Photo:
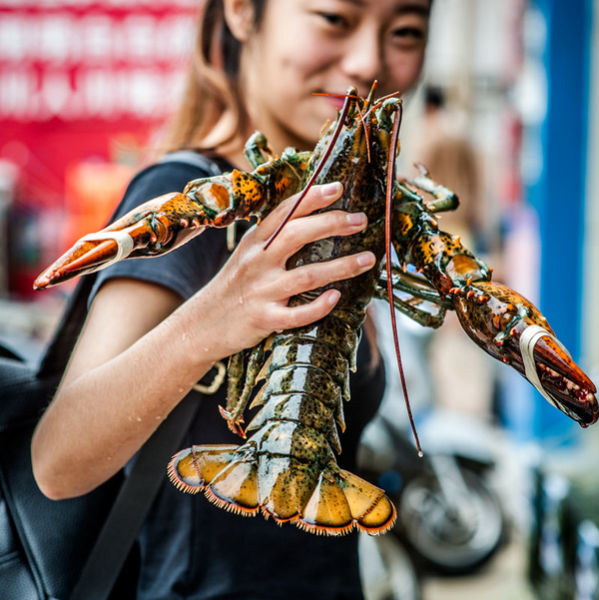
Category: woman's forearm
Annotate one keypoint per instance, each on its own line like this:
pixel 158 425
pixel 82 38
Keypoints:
pixel 101 418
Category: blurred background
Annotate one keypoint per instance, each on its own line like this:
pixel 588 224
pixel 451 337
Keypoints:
pixel 507 116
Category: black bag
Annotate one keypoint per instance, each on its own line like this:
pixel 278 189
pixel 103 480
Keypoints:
pixel 43 543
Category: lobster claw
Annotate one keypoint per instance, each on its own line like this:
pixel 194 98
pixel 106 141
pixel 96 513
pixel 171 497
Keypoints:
pixel 571 390
pixel 511 329
pixel 156 227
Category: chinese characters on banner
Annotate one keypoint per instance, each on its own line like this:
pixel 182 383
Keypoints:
pixel 83 85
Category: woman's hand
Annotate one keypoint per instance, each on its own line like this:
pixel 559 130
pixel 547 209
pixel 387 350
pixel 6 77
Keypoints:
pixel 248 299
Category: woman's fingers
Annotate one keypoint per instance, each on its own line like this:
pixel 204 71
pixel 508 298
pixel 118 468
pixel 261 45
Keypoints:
pixel 298 316
pixel 262 283
pixel 319 196
pixel 309 277
pixel 299 232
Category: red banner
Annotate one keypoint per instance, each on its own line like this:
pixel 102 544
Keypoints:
pixel 82 83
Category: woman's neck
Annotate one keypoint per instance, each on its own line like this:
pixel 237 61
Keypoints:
pixel 233 150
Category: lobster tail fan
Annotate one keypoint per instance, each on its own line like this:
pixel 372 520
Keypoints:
pixel 225 478
pixel 235 488
pixel 192 469
pixel 286 485
pixel 327 502
pixel 343 501
pixel 327 512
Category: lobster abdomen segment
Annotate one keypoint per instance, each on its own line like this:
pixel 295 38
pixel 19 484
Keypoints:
pixel 287 469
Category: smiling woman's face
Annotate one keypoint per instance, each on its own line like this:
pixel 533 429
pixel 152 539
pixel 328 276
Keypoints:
pixel 307 46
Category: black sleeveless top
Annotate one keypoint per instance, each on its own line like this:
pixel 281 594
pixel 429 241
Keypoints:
pixel 191 549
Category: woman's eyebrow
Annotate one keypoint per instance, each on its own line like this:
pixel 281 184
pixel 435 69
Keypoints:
pixel 405 8
pixel 414 8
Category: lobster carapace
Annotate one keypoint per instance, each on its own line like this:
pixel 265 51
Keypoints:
pixel 287 469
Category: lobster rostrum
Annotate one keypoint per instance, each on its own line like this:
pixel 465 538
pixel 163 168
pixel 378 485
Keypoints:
pixel 287 469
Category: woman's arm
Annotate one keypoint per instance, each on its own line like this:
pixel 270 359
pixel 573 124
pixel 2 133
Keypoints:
pixel 142 349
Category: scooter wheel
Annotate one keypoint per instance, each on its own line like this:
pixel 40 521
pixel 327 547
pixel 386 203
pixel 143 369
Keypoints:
pixel 451 539
pixel 387 570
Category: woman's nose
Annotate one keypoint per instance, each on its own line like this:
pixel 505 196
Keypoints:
pixel 362 60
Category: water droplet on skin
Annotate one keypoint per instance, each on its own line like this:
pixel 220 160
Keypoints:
pixel 240 299
pixel 138 419
pixel 184 336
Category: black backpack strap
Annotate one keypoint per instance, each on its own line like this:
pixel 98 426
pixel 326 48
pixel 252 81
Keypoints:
pixel 140 488
pixel 58 352
pixel 133 504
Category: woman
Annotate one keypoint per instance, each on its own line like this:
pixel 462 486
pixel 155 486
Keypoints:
pixel 156 327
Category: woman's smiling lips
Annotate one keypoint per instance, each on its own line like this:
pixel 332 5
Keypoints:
pixel 337 100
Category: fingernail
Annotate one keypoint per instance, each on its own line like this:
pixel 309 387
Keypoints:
pixel 330 190
pixel 334 296
pixel 356 218
pixel 366 259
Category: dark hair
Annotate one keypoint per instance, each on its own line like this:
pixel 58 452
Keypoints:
pixel 212 82
pixel 434 96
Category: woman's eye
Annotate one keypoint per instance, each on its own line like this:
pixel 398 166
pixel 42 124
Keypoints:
pixel 406 33
pixel 408 38
pixel 334 19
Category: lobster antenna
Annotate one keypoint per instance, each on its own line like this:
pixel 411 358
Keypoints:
pixel 336 95
pixel 388 250
pixel 325 156
pixel 363 121
pixel 369 101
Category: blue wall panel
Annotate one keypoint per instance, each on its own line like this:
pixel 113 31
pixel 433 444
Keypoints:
pixel 559 195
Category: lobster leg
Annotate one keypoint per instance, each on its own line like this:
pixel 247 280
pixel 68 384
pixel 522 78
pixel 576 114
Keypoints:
pixel 235 372
pixel 445 199
pixel 423 305
pixel 238 395
pixel 496 318
pixel 256 145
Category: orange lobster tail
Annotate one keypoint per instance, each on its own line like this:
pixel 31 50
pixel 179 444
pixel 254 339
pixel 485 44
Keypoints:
pixel 336 504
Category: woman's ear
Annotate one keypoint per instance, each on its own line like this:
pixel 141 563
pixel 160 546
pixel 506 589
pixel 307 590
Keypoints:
pixel 239 15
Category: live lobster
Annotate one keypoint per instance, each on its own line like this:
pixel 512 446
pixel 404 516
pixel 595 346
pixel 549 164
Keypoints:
pixel 287 469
